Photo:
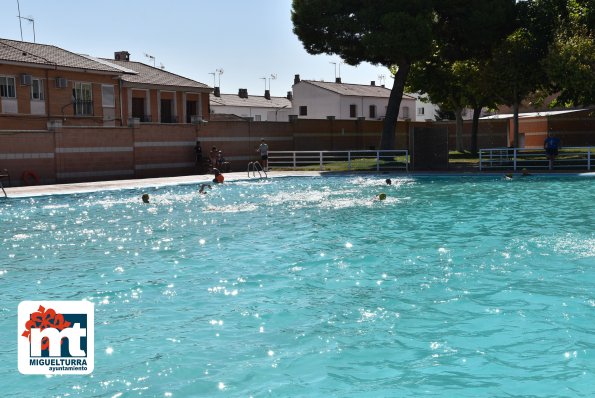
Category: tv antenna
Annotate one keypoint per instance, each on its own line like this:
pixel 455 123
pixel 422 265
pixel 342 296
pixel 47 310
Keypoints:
pixel 151 58
pixel 337 63
pixel 381 79
pixel 219 73
pixel 273 76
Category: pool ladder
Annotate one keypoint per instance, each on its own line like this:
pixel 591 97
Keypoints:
pixel 255 167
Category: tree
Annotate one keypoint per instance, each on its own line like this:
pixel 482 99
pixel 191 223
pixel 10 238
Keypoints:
pixel 388 33
pixel 570 64
pixel 399 33
pixel 517 62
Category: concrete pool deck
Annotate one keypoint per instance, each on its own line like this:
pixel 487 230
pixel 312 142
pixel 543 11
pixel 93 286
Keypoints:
pixel 83 187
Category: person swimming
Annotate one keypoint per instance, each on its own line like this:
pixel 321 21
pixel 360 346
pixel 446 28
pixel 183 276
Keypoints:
pixel 145 198
pixel 218 177
pixel 202 188
pixel 388 181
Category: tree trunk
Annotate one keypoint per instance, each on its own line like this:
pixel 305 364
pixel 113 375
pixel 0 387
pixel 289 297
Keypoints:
pixel 475 129
pixel 387 140
pixel 459 132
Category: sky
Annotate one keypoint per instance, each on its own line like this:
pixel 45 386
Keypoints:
pixel 246 39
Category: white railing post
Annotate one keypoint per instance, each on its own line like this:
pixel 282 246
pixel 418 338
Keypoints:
pixel 349 160
pixel 480 159
pixel 321 161
pixel 514 159
pixel 377 160
pixel 294 160
pixel 407 160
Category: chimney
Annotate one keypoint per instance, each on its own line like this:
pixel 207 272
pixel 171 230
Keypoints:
pixel 267 94
pixel 337 80
pixel 217 92
pixel 296 79
pixel 372 83
pixel 243 93
pixel 122 56
pixel 289 95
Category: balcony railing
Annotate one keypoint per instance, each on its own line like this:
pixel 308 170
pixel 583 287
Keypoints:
pixel 83 107
pixel 169 119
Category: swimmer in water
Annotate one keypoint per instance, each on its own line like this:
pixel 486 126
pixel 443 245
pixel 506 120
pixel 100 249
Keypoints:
pixel 218 177
pixel 202 188
pixel 381 196
pixel 145 198
pixel 388 181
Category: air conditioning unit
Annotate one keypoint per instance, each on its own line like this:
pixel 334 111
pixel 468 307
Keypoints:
pixel 26 80
pixel 61 82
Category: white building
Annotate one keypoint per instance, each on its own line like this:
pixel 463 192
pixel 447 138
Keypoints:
pixel 258 108
pixel 319 100
pixel 424 111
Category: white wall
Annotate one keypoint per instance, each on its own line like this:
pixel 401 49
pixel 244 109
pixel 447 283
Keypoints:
pixel 321 103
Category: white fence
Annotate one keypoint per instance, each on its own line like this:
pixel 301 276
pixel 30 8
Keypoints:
pixel 569 158
pixel 388 160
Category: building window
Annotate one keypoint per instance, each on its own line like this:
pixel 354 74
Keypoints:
pixel 257 118
pixel 7 87
pixel 405 112
pixel 372 111
pixel 303 110
pixel 83 100
pixel 108 99
pixel 421 111
pixel 37 89
pixel 352 110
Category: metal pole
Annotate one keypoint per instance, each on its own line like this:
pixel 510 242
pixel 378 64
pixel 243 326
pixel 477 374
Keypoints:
pixel 20 23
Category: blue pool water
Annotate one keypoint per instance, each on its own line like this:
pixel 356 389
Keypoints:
pixel 308 287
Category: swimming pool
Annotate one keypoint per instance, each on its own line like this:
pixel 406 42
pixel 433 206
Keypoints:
pixel 451 287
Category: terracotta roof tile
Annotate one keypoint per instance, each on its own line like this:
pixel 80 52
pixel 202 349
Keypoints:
pixel 46 55
pixel 357 90
pixel 146 74
pixel 252 101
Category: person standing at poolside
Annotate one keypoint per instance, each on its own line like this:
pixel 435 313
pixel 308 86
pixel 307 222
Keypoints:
pixel 551 145
pixel 213 157
pixel 263 149
pixel 198 152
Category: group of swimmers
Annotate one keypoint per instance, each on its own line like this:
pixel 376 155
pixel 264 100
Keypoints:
pixel 217 180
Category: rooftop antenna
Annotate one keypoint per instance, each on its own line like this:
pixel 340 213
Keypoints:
pixel 32 21
pixel 381 79
pixel 161 66
pixel 219 73
pixel 19 16
pixel 273 77
pixel 214 83
pixel 150 57
pixel 337 64
pixel 265 83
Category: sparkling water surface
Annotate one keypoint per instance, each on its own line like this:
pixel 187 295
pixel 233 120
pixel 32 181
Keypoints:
pixel 309 287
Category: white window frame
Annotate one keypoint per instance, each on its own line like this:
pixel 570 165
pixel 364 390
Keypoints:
pixel 421 111
pixel 5 89
pixel 354 107
pixel 81 91
pixel 106 95
pixel 40 94
pixel 303 110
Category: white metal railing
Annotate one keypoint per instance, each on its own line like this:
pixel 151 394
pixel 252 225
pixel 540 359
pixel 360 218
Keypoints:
pixel 568 158
pixel 372 160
